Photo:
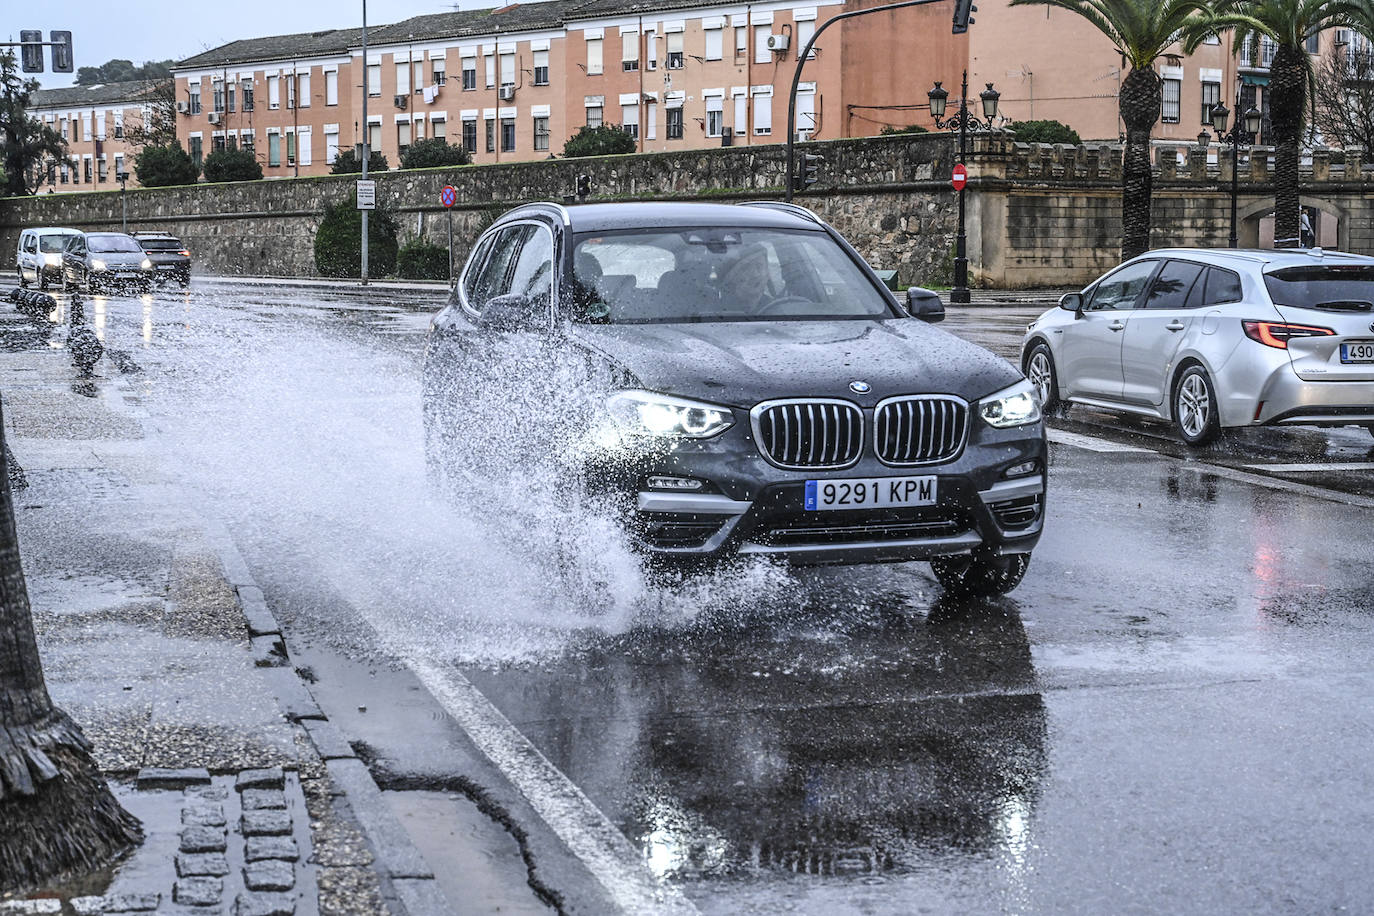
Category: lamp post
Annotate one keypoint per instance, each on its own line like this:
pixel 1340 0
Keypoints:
pixel 1244 131
pixel 123 177
pixel 939 97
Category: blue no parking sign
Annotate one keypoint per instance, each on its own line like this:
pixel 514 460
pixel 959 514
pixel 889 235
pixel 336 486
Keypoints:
pixel 448 196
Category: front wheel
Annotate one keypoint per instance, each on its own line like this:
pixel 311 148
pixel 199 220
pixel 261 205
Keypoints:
pixel 1040 373
pixel 980 574
pixel 23 284
pixel 1195 407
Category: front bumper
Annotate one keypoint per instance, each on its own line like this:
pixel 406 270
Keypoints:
pixel 755 509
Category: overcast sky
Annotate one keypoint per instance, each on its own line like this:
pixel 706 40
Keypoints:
pixel 140 30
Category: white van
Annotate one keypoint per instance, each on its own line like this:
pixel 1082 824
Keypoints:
pixel 40 255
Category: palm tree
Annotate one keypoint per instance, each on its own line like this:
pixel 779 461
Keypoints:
pixel 1142 31
pixel 57 815
pixel 1292 82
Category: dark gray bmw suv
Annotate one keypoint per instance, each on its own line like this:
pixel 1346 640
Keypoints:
pixel 749 387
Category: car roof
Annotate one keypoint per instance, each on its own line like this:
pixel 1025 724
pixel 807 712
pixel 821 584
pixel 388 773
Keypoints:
pixel 1265 259
pixel 666 214
pixel 55 230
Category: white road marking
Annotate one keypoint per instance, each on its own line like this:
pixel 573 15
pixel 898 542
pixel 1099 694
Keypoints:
pixel 610 857
pixel 1091 443
pixel 1315 468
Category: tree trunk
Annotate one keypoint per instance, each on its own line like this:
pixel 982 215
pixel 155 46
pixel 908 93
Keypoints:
pixel 57 815
pixel 1139 107
pixel 1287 105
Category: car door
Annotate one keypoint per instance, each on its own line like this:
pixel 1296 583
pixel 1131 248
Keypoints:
pixel 28 253
pixel 1089 358
pixel 1156 330
pixel 74 260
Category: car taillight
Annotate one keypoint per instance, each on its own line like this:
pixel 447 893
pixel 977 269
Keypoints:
pixel 1277 334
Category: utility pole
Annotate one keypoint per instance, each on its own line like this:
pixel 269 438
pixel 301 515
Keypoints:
pixel 367 86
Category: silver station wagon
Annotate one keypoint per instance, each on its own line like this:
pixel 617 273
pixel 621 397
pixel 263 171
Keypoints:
pixel 1211 339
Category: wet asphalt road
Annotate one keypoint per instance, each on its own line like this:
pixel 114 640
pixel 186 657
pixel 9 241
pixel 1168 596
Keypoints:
pixel 1171 714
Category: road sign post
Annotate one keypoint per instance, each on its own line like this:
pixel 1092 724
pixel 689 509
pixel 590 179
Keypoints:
pixel 448 197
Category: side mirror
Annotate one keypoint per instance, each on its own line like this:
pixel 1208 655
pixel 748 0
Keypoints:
pixel 1071 302
pixel 513 312
pixel 925 305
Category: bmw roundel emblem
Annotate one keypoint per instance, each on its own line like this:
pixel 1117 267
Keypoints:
pixel 860 387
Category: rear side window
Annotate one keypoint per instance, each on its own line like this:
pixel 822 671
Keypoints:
pixel 1171 287
pixel 1336 287
pixel 1222 286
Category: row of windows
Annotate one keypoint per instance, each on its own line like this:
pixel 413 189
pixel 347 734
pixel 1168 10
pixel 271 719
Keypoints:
pixel 1179 284
pixel 713 48
pixel 94 170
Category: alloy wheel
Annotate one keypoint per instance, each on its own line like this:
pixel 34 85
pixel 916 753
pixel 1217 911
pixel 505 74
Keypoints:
pixel 1194 405
pixel 1041 375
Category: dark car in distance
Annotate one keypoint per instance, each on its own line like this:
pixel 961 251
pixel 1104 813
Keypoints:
pixel 106 261
pixel 765 394
pixel 171 259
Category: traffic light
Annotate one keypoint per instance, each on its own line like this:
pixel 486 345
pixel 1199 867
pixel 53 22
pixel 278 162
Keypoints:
pixel 963 10
pixel 61 51
pixel 31 48
pixel 584 187
pixel 808 172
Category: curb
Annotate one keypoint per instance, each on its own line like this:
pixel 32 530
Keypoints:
pixel 439 287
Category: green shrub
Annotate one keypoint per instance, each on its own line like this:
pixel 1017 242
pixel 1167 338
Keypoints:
pixel 1044 132
pixel 164 166
pixel 606 140
pixel 420 259
pixel 433 153
pixel 909 129
pixel 232 165
pixel 348 162
pixel 338 243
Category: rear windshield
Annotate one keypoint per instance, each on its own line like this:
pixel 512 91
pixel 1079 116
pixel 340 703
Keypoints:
pixel 53 242
pixel 112 243
pixel 1335 287
pixel 160 244
pixel 717 273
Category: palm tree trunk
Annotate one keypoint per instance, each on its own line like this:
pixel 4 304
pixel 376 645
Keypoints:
pixel 1287 104
pixel 1139 106
pixel 57 815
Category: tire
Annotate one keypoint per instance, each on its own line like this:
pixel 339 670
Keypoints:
pixel 1195 407
pixel 980 574
pixel 1042 376
pixel 42 279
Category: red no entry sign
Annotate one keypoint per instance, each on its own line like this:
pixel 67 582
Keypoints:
pixel 448 196
pixel 958 178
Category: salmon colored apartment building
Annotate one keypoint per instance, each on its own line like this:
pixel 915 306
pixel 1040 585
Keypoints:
pixel 514 83
pixel 94 120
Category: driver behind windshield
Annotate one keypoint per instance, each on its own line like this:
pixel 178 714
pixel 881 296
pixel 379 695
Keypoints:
pixel 746 279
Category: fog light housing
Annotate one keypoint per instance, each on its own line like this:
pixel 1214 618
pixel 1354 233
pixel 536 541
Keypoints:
pixel 1023 469
pixel 678 484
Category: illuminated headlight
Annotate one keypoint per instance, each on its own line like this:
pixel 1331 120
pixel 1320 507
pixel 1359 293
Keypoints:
pixel 97 264
pixel 643 413
pixel 147 264
pixel 1014 406
pixel 52 260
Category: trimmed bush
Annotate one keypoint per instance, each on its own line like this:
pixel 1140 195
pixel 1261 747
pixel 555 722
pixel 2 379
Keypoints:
pixel 348 162
pixel 165 166
pixel 1044 132
pixel 338 243
pixel 420 259
pixel 909 129
pixel 433 153
pixel 606 140
pixel 232 165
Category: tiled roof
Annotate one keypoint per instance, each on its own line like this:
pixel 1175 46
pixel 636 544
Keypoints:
pixel 83 96
pixel 277 47
pixel 603 9
pixel 517 17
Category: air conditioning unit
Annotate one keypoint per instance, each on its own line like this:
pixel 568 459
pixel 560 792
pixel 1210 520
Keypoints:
pixel 402 101
pixel 778 42
pixel 183 107
pixel 213 117
pixel 507 92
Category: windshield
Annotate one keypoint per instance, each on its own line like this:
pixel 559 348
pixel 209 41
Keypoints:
pixel 112 243
pixel 53 242
pixel 160 244
pixel 648 276
pixel 1337 287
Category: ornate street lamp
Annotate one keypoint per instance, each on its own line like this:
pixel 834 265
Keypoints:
pixel 1244 131
pixel 939 97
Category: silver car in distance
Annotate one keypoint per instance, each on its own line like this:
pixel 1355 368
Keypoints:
pixel 1215 338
